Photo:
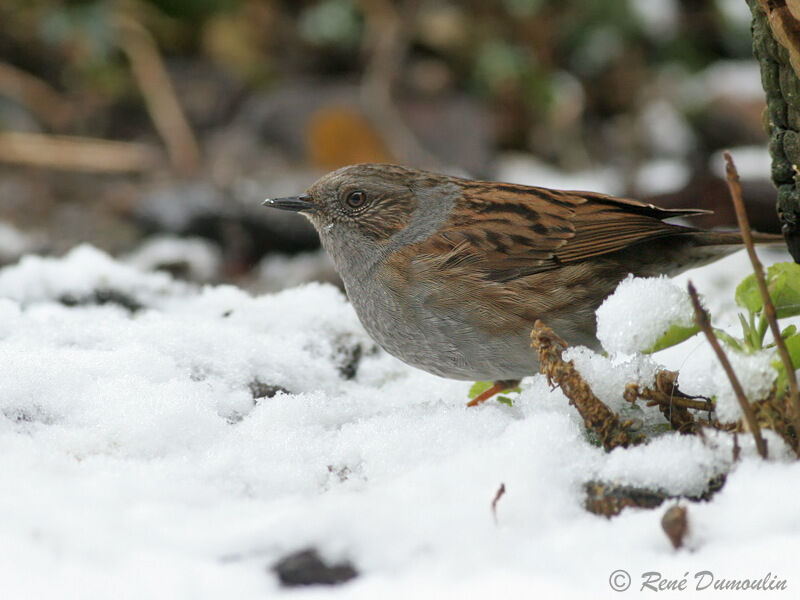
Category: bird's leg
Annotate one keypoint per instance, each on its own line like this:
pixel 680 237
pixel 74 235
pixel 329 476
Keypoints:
pixel 497 387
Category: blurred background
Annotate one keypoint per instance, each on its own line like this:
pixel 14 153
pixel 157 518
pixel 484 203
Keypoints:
pixel 153 129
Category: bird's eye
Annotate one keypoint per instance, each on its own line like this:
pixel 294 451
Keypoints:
pixel 356 199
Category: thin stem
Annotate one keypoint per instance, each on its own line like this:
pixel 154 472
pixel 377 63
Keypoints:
pixel 704 405
pixel 769 308
pixel 148 69
pixel 703 322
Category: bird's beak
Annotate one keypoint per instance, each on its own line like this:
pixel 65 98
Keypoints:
pixel 302 203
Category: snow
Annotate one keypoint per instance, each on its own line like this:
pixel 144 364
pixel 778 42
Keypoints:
pixel 609 375
pixel 137 464
pixel 706 377
pixel 14 243
pixel 82 271
pixel 640 311
pixel 199 258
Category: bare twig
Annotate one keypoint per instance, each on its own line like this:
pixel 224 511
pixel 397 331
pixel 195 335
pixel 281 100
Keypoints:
pixel 46 103
pixel 596 415
pixel 769 308
pixel 500 492
pixel 389 27
pixel 701 318
pixel 162 103
pixel 772 413
pixel 74 153
pixel 678 402
pixel 672 403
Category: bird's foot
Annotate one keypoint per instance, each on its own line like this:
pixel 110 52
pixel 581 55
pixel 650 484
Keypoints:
pixel 496 388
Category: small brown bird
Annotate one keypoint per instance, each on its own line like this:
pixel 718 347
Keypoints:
pixel 449 274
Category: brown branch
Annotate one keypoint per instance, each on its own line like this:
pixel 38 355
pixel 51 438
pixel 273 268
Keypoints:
pixel 701 318
pixel 389 30
pixel 46 103
pixel 793 399
pixel 657 399
pixel 672 403
pixel 72 153
pixel 596 415
pixel 159 95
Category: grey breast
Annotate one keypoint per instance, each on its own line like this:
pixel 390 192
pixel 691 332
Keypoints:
pixel 408 327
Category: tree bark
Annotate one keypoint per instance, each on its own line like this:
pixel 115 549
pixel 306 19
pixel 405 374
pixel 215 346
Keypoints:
pixel 776 45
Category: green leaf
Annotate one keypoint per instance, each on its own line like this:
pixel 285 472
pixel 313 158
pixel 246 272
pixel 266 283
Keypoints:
pixel 505 400
pixel 729 339
pixel 478 388
pixel 783 283
pixel 747 294
pixel 785 335
pixel 793 346
pixel 745 328
pixel 674 336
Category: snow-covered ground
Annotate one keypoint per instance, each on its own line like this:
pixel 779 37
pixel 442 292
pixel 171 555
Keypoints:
pixel 136 463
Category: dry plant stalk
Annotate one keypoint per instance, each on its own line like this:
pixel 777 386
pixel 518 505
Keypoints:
pixel 771 414
pixel 46 103
pixel 702 320
pixel 75 153
pixel 159 94
pixel 389 32
pixel 672 403
pixel 596 415
pixel 793 398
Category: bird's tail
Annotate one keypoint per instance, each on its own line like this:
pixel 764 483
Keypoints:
pixel 702 247
pixel 733 238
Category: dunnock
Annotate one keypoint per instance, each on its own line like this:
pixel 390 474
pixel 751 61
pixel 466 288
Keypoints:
pixel 450 274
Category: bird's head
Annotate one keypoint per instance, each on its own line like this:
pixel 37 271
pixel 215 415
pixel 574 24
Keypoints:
pixel 372 208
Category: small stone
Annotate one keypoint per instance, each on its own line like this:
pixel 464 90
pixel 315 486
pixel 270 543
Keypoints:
pixel 259 389
pixel 102 296
pixel 307 568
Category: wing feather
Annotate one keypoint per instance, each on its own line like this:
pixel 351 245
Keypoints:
pixel 510 231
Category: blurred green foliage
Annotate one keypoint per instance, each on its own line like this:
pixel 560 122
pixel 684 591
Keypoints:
pixel 332 22
pixel 509 53
pixel 195 11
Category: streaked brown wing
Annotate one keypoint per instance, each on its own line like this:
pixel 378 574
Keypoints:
pixel 510 231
